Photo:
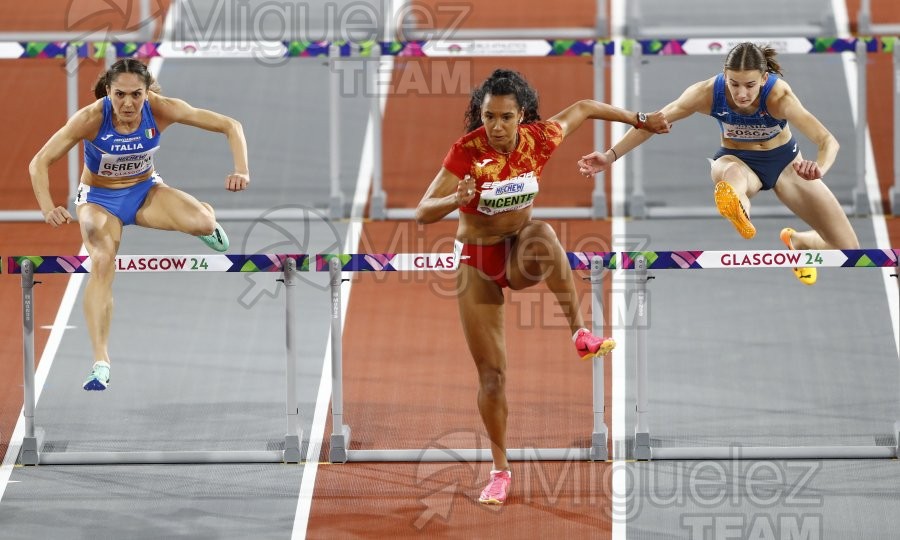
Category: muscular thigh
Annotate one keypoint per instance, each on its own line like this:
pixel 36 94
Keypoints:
pixel 814 203
pixel 535 252
pixel 481 313
pixel 168 209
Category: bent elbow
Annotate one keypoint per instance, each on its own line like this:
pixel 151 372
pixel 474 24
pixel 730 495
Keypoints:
pixel 37 164
pixel 234 126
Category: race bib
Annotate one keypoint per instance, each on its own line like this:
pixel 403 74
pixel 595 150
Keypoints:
pixel 750 132
pixel 125 165
pixel 507 195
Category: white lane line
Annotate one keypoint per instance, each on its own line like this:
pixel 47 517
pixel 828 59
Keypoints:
pixel 879 225
pixel 43 370
pixel 618 300
pixel 351 245
pixel 60 324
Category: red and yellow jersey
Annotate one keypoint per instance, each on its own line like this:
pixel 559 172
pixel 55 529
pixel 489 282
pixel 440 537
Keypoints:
pixel 504 181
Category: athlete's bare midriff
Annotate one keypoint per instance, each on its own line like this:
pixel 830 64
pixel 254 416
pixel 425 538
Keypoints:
pixel 95 180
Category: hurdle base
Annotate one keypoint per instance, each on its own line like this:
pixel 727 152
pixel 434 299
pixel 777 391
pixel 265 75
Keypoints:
pixel 293 451
pixel 336 206
pixel 378 205
pixel 894 194
pixel 436 455
pixel 599 451
pixel 637 206
pixel 774 452
pixel 161 457
pixel 29 453
pixel 339 453
pixel 642 450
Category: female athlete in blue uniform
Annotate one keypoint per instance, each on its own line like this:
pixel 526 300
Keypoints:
pixel 753 106
pixel 119 185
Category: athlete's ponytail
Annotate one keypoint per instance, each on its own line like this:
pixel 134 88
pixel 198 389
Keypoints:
pixel 746 56
pixel 125 65
pixel 503 82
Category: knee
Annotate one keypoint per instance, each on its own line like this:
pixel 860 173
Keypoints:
pixel 103 263
pixel 492 382
pixel 203 223
pixel 723 170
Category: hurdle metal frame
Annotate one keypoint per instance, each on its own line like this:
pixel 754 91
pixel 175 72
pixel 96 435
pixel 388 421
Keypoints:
pixel 634 27
pixel 867 27
pixel 642 448
pixel 340 451
pixel 32 453
pixel 144 33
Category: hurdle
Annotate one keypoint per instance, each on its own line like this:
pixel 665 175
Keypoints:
pixel 33 451
pixel 642 262
pixel 340 452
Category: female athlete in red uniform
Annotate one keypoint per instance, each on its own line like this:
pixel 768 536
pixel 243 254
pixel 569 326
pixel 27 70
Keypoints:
pixel 492 175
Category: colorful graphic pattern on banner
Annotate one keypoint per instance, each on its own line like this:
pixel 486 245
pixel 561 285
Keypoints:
pixel 436 48
pixel 401 262
pixel 686 260
pixel 81 264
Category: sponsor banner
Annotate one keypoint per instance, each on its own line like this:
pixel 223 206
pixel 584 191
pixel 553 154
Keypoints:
pixel 81 264
pixel 488 47
pixel 787 45
pixel 217 49
pixel 169 263
pixel 771 259
pixel 388 262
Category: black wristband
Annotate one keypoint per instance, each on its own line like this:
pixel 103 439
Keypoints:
pixel 614 153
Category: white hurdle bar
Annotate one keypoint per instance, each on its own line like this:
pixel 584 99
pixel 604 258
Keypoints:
pixel 32 453
pixel 638 261
pixel 340 451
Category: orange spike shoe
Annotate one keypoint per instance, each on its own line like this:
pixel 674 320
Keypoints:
pixel 807 276
pixel 730 207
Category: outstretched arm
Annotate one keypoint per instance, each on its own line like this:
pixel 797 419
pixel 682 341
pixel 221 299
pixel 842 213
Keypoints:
pixel 171 110
pixel 695 99
pixel 574 115
pixel 78 127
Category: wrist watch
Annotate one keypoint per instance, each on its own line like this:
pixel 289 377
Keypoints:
pixel 641 120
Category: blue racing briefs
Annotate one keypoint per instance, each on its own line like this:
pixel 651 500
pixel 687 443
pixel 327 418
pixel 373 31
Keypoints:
pixel 123 203
pixel 767 164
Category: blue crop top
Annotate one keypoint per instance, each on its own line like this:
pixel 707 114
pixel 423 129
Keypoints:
pixel 755 127
pixel 117 155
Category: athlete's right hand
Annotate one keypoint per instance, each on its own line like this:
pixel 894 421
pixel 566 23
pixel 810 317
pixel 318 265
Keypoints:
pixel 58 216
pixel 465 190
pixel 594 163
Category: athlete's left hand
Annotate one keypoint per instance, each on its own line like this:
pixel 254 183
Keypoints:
pixel 807 170
pixel 657 123
pixel 237 181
